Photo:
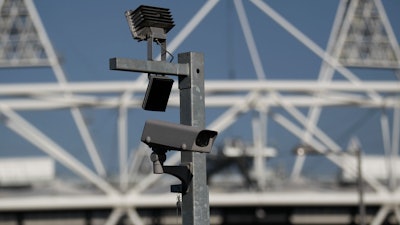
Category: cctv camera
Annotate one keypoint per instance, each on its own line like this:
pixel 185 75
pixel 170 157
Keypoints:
pixel 170 136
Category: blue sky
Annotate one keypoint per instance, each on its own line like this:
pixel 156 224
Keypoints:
pixel 86 34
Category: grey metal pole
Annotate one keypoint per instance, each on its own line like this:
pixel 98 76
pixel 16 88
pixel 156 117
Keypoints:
pixel 360 187
pixel 195 203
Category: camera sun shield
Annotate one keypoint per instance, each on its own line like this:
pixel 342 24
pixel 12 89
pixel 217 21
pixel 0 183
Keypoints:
pixel 157 93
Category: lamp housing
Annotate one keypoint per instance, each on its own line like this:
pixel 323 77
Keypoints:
pixel 149 21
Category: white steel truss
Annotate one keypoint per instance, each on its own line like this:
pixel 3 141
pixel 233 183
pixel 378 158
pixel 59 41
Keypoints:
pixel 237 97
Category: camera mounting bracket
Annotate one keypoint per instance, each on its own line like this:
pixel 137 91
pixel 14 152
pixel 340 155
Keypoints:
pixel 183 172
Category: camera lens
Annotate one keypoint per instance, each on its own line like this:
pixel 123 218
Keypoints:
pixel 203 139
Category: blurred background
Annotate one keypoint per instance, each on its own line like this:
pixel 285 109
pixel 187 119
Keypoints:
pixel 304 95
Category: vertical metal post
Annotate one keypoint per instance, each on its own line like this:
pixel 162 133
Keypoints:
pixel 150 49
pixel 360 185
pixel 195 203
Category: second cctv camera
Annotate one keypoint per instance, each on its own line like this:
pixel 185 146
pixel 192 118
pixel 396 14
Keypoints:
pixel 170 136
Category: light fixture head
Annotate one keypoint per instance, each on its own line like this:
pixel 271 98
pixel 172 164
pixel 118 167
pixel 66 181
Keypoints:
pixel 149 21
pixel 304 149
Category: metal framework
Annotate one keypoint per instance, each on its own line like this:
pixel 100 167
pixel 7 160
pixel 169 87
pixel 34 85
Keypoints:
pixel 261 96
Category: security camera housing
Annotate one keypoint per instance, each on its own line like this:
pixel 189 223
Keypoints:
pixel 170 136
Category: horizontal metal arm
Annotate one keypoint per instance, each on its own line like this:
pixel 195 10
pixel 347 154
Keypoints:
pixel 155 67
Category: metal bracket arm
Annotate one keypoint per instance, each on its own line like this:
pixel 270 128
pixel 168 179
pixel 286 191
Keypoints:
pixel 183 173
pixel 153 67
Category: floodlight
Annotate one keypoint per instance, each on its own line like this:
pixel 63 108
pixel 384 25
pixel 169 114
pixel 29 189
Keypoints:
pixel 151 24
pixel 149 21
pixel 304 149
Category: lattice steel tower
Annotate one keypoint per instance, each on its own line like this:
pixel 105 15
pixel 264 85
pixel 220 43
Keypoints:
pixel 365 38
pixel 20 43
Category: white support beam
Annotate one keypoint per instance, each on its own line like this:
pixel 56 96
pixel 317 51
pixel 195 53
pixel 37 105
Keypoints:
pixel 326 71
pixel 211 87
pixel 291 127
pixel 114 216
pixel 297 167
pixel 135 158
pixel 134 217
pixel 259 128
pixel 295 130
pixel 396 210
pixel 229 116
pixel 212 101
pixel 310 44
pixel 39 139
pixel 270 198
pixel 325 74
pixel 45 41
pixel 251 44
pixel 62 81
pixel 314 129
pixel 381 215
pixel 395 146
pixel 123 140
pixel 88 141
pixel 385 132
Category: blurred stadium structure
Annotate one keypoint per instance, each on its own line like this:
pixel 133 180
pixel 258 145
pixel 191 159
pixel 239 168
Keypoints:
pixel 243 189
